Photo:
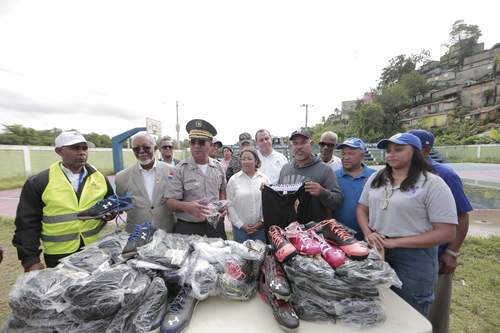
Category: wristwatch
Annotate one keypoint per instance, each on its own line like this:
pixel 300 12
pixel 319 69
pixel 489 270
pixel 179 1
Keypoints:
pixel 452 253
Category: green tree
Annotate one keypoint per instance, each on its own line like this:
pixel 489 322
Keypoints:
pixel 393 100
pixel 415 84
pixel 367 122
pixel 401 65
pixel 463 37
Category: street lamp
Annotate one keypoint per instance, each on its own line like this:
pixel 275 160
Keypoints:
pixel 307 106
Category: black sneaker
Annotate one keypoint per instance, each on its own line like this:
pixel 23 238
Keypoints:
pixel 111 204
pixel 275 277
pixel 142 234
pixel 282 311
pixel 179 312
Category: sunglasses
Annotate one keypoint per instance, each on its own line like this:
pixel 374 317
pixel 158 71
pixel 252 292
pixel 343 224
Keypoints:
pixel 166 147
pixel 78 147
pixel 146 149
pixel 329 145
pixel 199 142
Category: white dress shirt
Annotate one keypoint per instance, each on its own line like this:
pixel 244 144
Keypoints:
pixel 74 178
pixel 149 177
pixel 272 164
pixel 244 195
pixel 335 163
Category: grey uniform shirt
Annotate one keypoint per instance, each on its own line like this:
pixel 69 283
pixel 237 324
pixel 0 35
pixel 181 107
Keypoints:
pixel 408 213
pixel 188 183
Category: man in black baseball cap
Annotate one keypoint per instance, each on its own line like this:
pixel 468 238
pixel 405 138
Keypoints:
pixel 318 178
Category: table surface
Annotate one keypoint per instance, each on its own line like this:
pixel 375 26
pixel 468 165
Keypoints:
pixel 216 315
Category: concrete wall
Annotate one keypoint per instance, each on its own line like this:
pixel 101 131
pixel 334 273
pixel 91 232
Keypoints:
pixel 473 96
pixel 475 73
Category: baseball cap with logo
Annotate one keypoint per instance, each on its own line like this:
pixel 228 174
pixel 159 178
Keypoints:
pixel 245 137
pixel 353 143
pixel 426 137
pixel 401 139
pixel 69 138
pixel 302 132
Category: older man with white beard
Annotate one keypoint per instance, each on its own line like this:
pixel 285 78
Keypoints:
pixel 145 181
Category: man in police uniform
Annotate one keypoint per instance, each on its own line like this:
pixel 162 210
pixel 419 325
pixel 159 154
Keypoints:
pixel 50 201
pixel 197 181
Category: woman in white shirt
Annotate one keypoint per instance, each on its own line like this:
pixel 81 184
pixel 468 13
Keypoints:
pixel 243 192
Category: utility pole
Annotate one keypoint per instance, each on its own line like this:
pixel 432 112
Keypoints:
pixel 177 126
pixel 307 110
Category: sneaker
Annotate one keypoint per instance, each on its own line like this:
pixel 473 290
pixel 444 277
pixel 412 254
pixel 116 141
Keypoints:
pixel 142 234
pixel 337 234
pixel 282 311
pixel 237 283
pixel 111 204
pixel 332 254
pixel 179 312
pixel 302 240
pixel 283 249
pixel 275 278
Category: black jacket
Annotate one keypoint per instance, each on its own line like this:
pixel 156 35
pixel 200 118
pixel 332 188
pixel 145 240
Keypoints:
pixel 29 215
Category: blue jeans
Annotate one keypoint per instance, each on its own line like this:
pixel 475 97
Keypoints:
pixel 418 270
pixel 240 236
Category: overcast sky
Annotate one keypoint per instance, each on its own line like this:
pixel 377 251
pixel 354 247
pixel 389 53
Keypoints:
pixel 104 66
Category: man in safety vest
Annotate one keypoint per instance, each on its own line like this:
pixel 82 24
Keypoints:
pixel 50 201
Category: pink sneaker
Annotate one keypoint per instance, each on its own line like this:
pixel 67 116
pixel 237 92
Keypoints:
pixel 302 240
pixel 283 249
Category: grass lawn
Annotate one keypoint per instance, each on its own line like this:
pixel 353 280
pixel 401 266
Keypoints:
pixel 476 284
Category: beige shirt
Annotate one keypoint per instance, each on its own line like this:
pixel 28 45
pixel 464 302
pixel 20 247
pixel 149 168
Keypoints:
pixel 149 177
pixel 395 213
pixel 188 183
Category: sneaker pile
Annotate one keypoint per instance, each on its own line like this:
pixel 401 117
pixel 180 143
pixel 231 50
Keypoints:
pixel 109 205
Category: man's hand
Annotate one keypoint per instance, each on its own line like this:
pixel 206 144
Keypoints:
pixel 313 188
pixel 197 209
pixel 35 267
pixel 223 212
pixel 447 263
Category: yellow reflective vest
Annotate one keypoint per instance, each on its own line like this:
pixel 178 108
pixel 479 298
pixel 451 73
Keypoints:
pixel 61 230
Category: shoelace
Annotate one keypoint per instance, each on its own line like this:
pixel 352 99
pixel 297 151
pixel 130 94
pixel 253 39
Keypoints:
pixel 234 270
pixel 135 232
pixel 178 303
pixel 340 231
pixel 276 237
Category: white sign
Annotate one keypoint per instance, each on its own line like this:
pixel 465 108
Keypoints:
pixel 153 127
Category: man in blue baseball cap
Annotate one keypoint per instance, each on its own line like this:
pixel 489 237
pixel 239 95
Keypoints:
pixel 448 253
pixel 351 179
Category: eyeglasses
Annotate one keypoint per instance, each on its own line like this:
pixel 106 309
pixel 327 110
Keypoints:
pixel 146 149
pixel 78 147
pixel 199 142
pixel 387 195
pixel 329 145
pixel 166 147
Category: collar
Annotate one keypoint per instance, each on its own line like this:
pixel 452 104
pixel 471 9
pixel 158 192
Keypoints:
pixel 211 162
pixel 142 169
pixel 69 172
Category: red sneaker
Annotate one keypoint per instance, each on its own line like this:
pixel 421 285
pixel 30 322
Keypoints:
pixel 337 234
pixel 283 249
pixel 302 240
pixel 333 255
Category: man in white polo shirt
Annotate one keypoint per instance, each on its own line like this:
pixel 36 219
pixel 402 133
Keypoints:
pixel 272 161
